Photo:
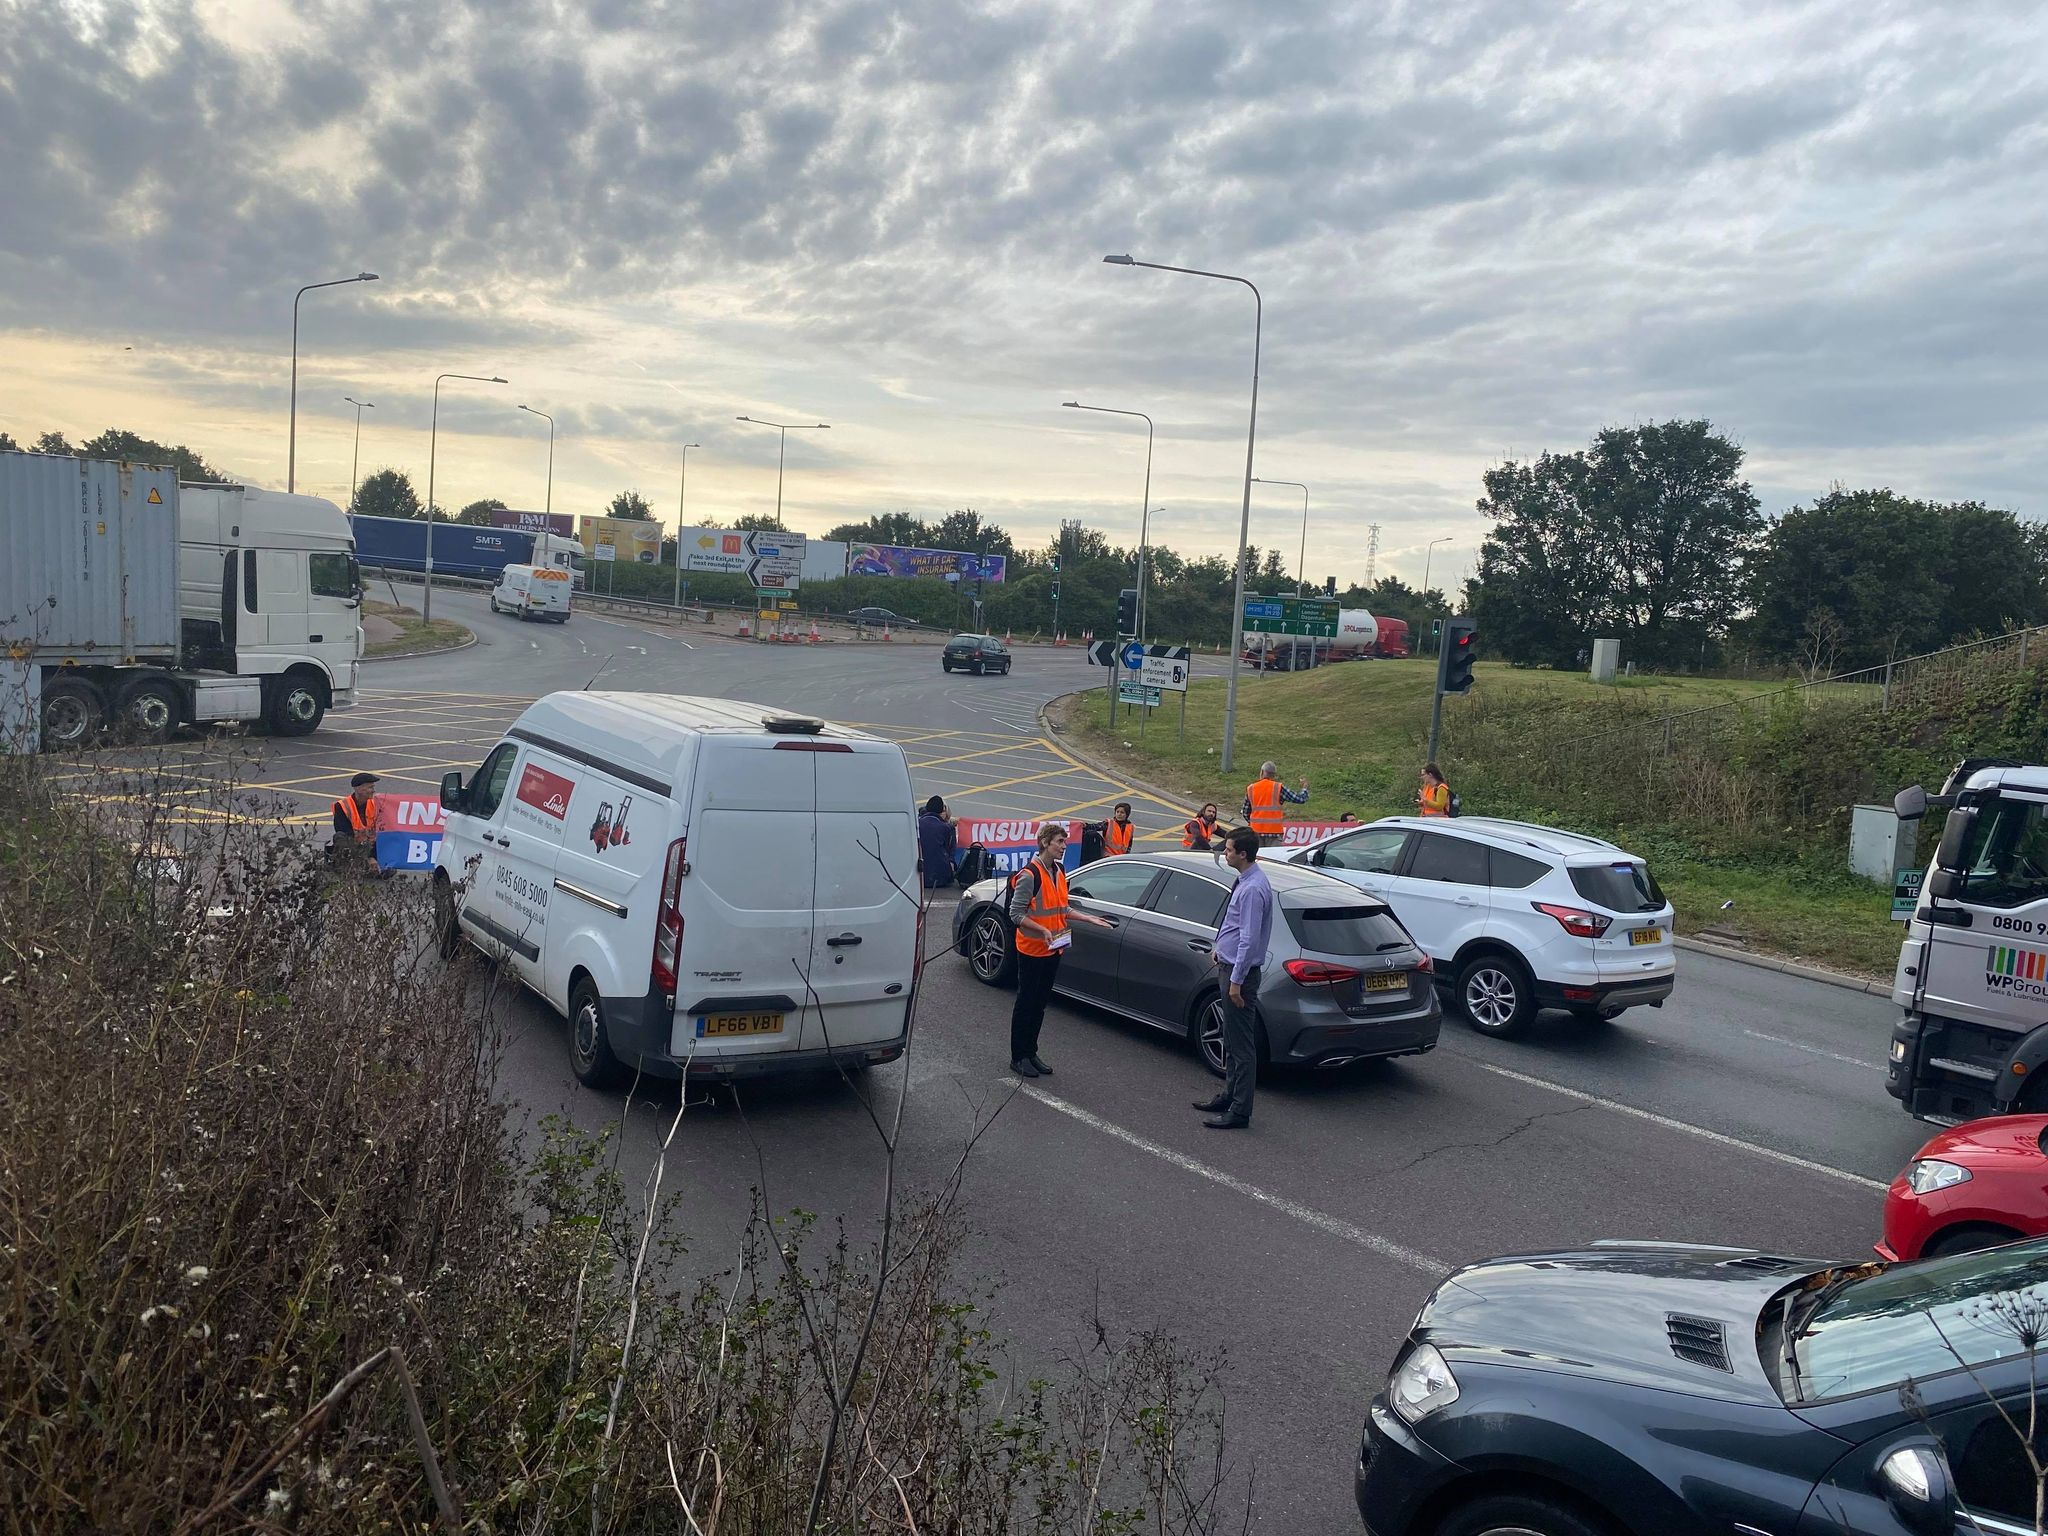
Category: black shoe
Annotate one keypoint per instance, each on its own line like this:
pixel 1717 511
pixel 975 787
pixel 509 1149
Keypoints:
pixel 1024 1069
pixel 1214 1106
pixel 1227 1122
pixel 1043 1069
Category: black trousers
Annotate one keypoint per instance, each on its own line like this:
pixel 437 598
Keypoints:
pixel 1241 1041
pixel 1035 975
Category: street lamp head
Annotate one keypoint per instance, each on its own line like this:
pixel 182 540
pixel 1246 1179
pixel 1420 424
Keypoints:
pixel 743 418
pixel 494 379
pixel 366 277
pixel 1072 405
pixel 1119 261
pixel 693 445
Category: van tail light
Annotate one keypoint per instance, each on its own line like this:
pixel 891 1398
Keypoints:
pixel 668 921
pixel 1320 973
pixel 1576 921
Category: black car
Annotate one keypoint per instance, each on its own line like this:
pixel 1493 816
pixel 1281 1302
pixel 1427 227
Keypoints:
pixel 976 654
pixel 880 616
pixel 1675 1389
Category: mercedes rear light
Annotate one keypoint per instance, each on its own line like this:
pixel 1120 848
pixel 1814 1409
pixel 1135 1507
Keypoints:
pixel 1576 921
pixel 668 921
pixel 1320 973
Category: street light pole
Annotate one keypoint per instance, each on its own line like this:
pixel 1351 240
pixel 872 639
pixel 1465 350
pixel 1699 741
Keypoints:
pixel 433 441
pixel 1144 507
pixel 1244 525
pixel 1428 551
pixel 544 416
pixel 1301 570
pixel 355 464
pixel 682 499
pixel 291 461
pixel 785 428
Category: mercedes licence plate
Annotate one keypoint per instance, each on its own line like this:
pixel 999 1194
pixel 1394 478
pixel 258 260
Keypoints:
pixel 1387 981
pixel 1647 936
pixel 713 1026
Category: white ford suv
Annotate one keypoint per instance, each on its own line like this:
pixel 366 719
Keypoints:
pixel 1516 917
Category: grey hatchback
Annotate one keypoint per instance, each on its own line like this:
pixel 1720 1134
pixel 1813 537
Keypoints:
pixel 1343 980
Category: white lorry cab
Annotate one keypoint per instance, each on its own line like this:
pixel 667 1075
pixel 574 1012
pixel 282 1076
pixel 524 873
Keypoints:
pixel 699 886
pixel 1972 979
pixel 533 592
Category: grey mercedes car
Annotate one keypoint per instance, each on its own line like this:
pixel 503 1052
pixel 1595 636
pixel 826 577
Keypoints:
pixel 1343 980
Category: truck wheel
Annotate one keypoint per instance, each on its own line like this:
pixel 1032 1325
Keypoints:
pixel 72 712
pixel 296 706
pixel 147 710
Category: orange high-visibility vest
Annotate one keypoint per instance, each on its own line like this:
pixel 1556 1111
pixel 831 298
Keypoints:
pixel 1117 839
pixel 1197 833
pixel 1268 819
pixel 360 822
pixel 1048 909
pixel 1436 800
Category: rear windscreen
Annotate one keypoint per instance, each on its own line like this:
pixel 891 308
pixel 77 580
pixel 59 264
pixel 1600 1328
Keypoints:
pixel 1346 930
pixel 1618 887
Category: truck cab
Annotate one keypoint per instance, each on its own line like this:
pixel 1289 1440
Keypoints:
pixel 1972 977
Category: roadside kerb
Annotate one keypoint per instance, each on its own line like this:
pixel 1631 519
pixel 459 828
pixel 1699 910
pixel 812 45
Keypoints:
pixel 438 650
pixel 1698 946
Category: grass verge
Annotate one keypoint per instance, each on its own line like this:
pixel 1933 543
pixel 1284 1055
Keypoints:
pixel 416 636
pixel 1357 733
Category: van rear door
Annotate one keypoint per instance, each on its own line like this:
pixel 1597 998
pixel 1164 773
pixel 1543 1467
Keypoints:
pixel 864 950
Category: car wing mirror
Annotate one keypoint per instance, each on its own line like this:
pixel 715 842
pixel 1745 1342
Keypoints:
pixel 1916 1485
pixel 452 796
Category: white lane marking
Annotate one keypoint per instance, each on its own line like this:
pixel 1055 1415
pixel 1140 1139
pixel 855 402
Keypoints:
pixel 1669 1124
pixel 1814 1050
pixel 1322 1221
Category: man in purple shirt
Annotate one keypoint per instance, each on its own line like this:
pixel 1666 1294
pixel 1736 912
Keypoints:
pixel 1240 953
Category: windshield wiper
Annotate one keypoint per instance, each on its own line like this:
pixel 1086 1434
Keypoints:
pixel 1788 1342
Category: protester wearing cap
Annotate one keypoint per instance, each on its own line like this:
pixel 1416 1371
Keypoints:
pixel 355 817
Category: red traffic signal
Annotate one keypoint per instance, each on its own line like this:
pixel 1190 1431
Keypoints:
pixel 1460 650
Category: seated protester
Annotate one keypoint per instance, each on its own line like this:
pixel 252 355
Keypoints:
pixel 1201 833
pixel 1118 832
pixel 937 844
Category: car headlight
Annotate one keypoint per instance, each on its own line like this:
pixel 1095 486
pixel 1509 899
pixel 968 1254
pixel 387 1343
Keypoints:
pixel 1421 1384
pixel 1928 1174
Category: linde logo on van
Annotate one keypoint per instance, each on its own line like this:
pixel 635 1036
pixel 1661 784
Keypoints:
pixel 545 791
pixel 2018 972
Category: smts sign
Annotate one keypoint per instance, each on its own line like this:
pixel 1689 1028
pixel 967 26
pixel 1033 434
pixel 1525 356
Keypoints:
pixel 408 831
pixel 2016 972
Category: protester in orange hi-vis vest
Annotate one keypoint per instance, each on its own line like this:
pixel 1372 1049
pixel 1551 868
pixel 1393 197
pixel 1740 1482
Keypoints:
pixel 1434 799
pixel 1038 913
pixel 1265 803
pixel 1117 835
pixel 1200 831
pixel 355 821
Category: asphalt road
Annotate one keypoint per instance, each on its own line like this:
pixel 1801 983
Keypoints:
pixel 1750 1109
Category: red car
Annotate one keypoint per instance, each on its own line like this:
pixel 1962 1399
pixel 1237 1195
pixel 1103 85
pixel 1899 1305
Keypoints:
pixel 1973 1186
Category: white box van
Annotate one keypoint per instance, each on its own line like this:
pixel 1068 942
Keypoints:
pixel 697 885
pixel 533 592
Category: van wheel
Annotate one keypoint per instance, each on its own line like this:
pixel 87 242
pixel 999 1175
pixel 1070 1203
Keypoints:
pixel 447 921
pixel 989 951
pixel 1496 995
pixel 296 707
pixel 590 1048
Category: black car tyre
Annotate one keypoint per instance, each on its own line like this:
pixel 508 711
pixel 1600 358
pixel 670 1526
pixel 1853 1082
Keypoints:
pixel 1518 1514
pixel 1496 995
pixel 1006 669
pixel 990 953
pixel 1205 1031
pixel 974 667
pixel 1968 1238
pixel 590 1048
pixel 447 924
pixel 945 665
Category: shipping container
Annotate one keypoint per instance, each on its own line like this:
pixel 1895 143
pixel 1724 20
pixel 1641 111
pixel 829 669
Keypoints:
pixel 88 559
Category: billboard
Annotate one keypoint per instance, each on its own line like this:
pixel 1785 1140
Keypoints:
pixel 770 560
pixel 622 538
pixel 899 560
pixel 534 522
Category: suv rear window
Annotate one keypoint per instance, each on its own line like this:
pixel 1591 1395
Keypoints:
pixel 1346 930
pixel 1618 887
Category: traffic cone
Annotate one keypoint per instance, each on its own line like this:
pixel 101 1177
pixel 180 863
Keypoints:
pixel 1006 638
pixel 814 631
pixel 746 628
pixel 885 632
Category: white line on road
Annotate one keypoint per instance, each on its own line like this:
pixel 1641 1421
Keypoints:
pixel 1814 1050
pixel 1670 1124
pixel 1322 1221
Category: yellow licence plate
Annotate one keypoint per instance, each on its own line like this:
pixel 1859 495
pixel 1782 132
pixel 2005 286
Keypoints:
pixel 1387 981
pixel 1647 936
pixel 713 1025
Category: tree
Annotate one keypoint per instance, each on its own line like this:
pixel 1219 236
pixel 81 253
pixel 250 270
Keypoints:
pixel 116 444
pixel 884 528
pixel 964 530
pixel 478 513
pixel 1642 536
pixel 53 442
pixel 760 522
pixel 8 444
pixel 388 493
pixel 630 505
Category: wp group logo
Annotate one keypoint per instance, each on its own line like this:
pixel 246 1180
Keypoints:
pixel 2020 972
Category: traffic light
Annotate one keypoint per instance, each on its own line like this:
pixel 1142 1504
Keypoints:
pixel 1055 589
pixel 1461 636
pixel 1127 611
pixel 1329 586
pixel 1055 567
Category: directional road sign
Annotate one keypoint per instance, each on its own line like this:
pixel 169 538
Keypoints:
pixel 770 560
pixel 1314 616
pixel 1134 656
pixel 1102 653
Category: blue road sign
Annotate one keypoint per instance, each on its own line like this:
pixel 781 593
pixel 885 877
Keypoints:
pixel 1134 655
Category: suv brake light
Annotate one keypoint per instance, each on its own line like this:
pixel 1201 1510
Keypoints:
pixel 1320 973
pixel 668 920
pixel 1576 921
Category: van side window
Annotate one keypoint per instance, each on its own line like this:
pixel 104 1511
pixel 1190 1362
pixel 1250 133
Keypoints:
pixel 487 788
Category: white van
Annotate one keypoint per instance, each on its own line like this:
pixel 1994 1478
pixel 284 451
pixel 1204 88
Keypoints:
pixel 699 886
pixel 533 592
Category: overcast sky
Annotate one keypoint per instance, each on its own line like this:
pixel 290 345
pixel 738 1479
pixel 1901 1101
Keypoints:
pixel 1483 228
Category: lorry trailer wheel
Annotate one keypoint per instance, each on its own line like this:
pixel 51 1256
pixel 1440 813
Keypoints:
pixel 147 710
pixel 296 708
pixel 72 712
